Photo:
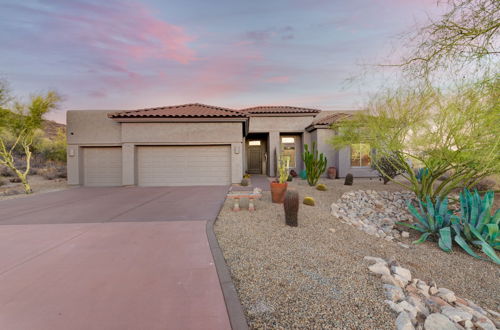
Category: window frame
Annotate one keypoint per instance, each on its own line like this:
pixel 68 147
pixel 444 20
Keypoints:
pixel 360 156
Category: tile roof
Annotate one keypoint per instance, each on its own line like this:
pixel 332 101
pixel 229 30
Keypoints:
pixel 329 120
pixel 276 109
pixel 194 110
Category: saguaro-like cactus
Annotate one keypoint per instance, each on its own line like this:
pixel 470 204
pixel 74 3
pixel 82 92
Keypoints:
pixel 315 164
pixel 291 206
pixel 348 179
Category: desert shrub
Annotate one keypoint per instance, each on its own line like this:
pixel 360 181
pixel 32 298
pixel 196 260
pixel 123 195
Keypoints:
pixel 389 167
pixel 51 149
pixel 321 187
pixel 309 201
pixel 293 173
pixel 52 171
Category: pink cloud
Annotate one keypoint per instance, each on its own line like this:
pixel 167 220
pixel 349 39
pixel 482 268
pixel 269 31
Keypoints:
pixel 113 32
pixel 278 79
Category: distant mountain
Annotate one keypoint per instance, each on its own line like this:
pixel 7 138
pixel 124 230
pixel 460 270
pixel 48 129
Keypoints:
pixel 51 128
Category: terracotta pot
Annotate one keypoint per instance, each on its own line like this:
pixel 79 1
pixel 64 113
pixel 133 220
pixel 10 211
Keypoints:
pixel 278 191
pixel 332 172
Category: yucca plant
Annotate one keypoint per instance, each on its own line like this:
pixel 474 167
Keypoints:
pixel 476 225
pixel 434 219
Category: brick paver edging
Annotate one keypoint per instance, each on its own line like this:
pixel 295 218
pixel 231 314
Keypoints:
pixel 233 305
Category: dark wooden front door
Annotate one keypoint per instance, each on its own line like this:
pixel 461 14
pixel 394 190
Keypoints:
pixel 254 160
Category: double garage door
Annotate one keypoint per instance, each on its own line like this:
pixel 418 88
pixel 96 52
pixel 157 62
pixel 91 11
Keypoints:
pixel 160 166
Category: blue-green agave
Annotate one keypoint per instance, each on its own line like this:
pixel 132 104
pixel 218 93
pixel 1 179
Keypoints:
pixel 421 173
pixel 476 225
pixel 433 219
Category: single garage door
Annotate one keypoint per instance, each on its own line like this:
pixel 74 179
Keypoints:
pixel 183 165
pixel 102 166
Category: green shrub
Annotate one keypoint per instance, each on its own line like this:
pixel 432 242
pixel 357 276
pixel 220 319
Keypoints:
pixel 321 187
pixel 388 167
pixel 475 225
pixel 315 163
pixel 309 201
pixel 434 219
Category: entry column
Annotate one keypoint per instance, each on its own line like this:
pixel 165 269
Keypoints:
pixel 274 150
pixel 128 164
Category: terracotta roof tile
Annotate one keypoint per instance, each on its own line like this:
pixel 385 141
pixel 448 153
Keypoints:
pixel 194 110
pixel 278 109
pixel 329 120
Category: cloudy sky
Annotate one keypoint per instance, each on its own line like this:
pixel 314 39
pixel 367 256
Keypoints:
pixel 131 54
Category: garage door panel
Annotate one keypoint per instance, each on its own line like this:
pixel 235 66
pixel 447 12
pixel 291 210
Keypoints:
pixel 183 165
pixel 102 166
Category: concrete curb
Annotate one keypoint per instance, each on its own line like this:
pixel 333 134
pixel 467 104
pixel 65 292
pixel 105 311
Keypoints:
pixel 233 305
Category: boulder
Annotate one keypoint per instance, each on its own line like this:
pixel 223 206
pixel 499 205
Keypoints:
pixel 438 321
pixel 393 293
pixel 403 322
pixel 380 269
pixel 456 314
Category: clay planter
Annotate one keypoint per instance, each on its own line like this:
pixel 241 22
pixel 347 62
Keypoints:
pixel 278 191
pixel 332 172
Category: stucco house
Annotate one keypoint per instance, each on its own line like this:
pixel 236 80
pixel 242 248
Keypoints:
pixel 197 144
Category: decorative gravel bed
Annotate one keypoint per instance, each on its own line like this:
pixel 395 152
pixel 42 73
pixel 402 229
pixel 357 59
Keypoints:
pixel 313 276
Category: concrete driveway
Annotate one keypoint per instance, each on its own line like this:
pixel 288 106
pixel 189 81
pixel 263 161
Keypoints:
pixel 110 258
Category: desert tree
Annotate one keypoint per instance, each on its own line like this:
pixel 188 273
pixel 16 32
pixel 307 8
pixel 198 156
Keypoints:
pixel 463 41
pixel 455 135
pixel 18 126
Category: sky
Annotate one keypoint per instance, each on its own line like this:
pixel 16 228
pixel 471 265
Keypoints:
pixel 118 54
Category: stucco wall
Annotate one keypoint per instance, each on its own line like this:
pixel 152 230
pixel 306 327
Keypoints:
pixel 340 159
pixel 281 124
pixel 182 133
pixel 321 137
pixel 94 128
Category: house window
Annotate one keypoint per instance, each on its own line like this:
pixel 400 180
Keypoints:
pixel 288 150
pixel 254 143
pixel 360 155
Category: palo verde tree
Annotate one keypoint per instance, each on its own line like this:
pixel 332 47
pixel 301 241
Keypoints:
pixel 462 41
pixel 18 126
pixel 456 134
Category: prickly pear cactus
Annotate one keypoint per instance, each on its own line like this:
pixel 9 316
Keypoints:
pixel 291 206
pixel 348 179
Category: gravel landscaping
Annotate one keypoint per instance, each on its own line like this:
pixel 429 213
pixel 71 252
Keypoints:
pixel 38 183
pixel 314 276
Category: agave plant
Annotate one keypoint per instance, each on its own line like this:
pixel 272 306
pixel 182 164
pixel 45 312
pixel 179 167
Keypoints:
pixel 434 219
pixel 476 225
pixel 421 173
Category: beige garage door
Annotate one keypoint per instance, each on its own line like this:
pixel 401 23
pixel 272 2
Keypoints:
pixel 183 165
pixel 102 166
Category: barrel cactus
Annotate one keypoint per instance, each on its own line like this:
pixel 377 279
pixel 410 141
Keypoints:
pixel 321 187
pixel 291 206
pixel 309 201
pixel 348 179
pixel 244 182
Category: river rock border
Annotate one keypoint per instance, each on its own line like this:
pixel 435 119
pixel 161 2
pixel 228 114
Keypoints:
pixel 375 212
pixel 422 305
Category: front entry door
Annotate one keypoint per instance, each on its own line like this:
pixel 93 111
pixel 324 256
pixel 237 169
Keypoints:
pixel 254 159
